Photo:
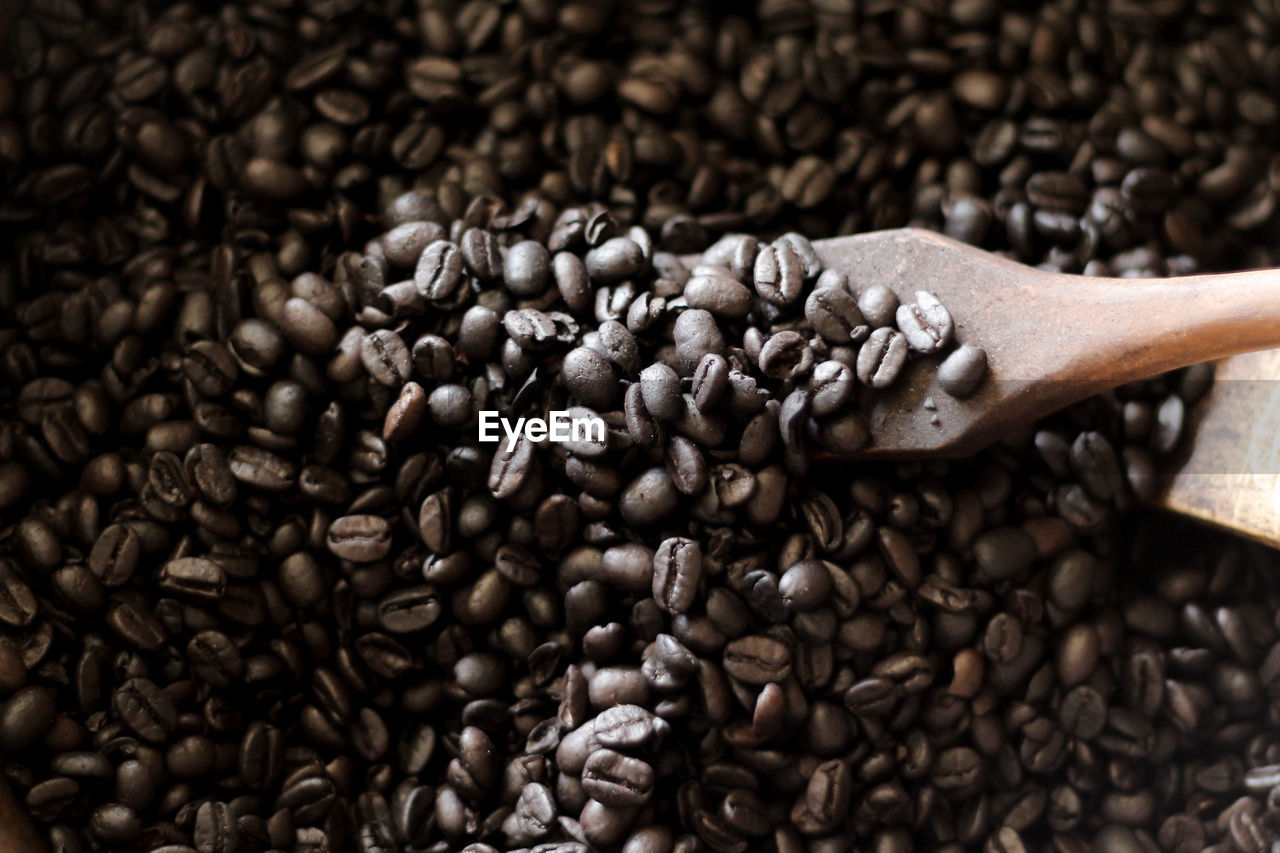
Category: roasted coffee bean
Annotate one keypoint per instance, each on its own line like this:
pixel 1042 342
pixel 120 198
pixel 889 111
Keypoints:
pixel 757 660
pixel 926 323
pixel 261 469
pixel 879 305
pixel 439 271
pixel 214 659
pixel 196 578
pixel 881 357
pixel 409 610
pixel 359 538
pixel 696 335
pixel 834 314
pixel 660 388
pixel 779 273
pixel 18 605
pixel 26 717
pixel 786 355
pixel 962 371
pixel 710 381
pixel 216 829
pixel 829 791
pixel 614 260
pixel 719 294
pixel 677 570
pixel 145 709
pixel 589 377
pixel 386 357
pixel 616 779
pixel 833 385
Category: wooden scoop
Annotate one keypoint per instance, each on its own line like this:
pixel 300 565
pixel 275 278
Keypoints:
pixel 1053 339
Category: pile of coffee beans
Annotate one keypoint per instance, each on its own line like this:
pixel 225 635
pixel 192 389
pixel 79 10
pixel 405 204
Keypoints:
pixel 263 586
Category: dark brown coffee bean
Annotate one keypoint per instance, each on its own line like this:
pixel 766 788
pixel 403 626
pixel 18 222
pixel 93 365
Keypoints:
pixel 834 314
pixel 482 254
pixel 779 274
pixel 211 368
pixel 962 371
pixel 617 780
pixel 168 479
pixel 145 709
pixel 18 606
pixel 879 305
pixel 137 627
pixel 677 570
pixel 829 792
pixel 926 324
pixel 881 357
pixel 786 355
pixel 757 660
pixel 719 294
pixel 26 717
pixel 696 335
pixel 614 260
pixel 216 829
pixel 261 469
pixel 359 538
pixel 409 610
pixel 194 577
pixel 439 271
pixel 386 357
pixel 214 658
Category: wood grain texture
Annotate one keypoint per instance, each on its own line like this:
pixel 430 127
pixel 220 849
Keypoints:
pixel 1231 478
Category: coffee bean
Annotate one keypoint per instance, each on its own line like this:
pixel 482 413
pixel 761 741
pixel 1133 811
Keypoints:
pixel 786 355
pixel 194 577
pixel 962 371
pixel 757 660
pixel 588 376
pixel 216 829
pixel 710 381
pixel 211 368
pixel 307 328
pixel 26 717
pixel 261 469
pixel 833 385
pixel 834 314
pixel 145 709
pixel 409 610
pixel 617 780
pixel 926 323
pixel 677 570
pixel 779 274
pixel 829 791
pixel 881 357
pixel 18 605
pixel 805 586
pixel 439 271
pixel 696 335
pixel 115 824
pixel 359 538
pixel 660 388
pixel 720 294
pixel 386 356
pixel 214 658
pixel 879 305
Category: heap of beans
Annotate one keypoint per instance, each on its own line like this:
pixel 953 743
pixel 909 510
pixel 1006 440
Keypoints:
pixel 263 588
